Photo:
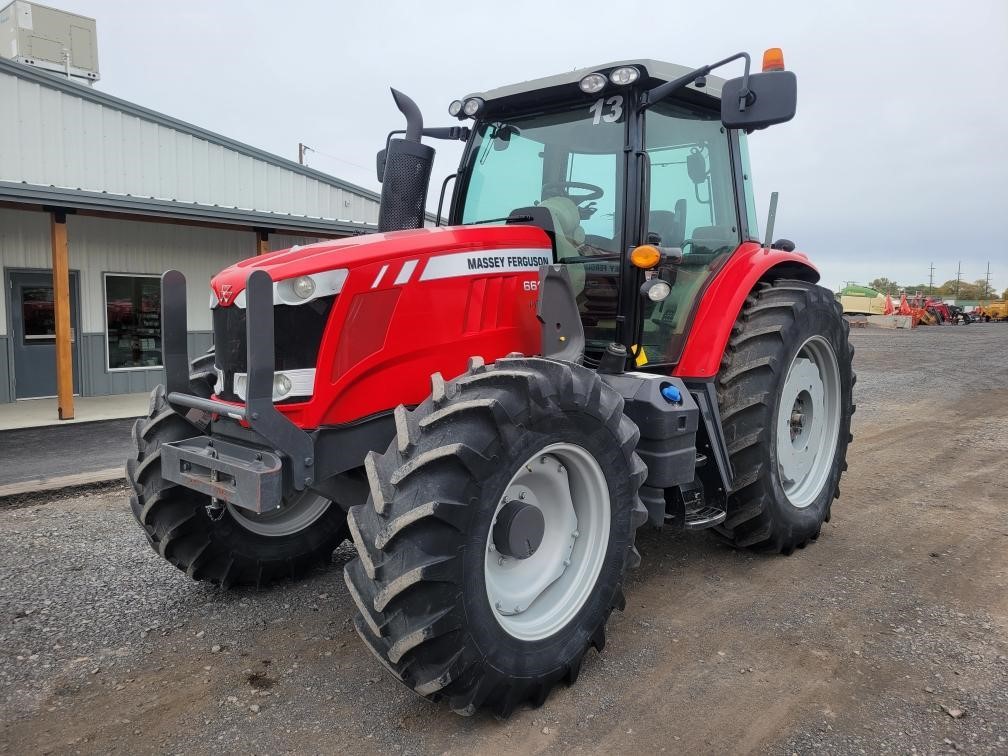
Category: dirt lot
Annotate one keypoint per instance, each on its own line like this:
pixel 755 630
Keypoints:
pixel 890 635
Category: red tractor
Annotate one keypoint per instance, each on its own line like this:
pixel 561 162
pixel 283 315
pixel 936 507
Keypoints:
pixel 491 408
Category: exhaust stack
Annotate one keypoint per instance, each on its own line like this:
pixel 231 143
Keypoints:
pixel 406 173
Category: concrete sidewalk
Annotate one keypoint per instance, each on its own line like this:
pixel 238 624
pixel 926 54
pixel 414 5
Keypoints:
pixel 36 413
pixel 60 456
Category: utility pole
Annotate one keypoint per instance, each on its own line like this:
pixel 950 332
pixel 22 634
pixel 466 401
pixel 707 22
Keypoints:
pixel 986 290
pixel 303 149
pixel 931 281
pixel 958 276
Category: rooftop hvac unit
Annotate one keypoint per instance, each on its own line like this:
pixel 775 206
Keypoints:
pixel 51 39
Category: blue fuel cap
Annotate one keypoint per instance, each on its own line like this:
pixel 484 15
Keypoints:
pixel 672 394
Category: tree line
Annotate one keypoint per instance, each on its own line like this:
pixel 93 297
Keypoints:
pixel 979 289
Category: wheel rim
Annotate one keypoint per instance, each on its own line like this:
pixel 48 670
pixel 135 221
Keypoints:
pixel 808 422
pixel 535 597
pixel 288 519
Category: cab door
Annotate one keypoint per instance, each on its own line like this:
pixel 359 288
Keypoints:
pixel 693 206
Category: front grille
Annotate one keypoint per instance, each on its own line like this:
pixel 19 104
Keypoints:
pixel 297 334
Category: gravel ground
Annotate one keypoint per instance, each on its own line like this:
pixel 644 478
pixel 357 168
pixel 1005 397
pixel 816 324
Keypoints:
pixel 889 635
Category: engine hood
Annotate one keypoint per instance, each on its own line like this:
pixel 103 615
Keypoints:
pixel 428 253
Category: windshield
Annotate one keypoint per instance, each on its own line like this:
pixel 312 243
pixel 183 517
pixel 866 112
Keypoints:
pixel 569 159
pixel 570 162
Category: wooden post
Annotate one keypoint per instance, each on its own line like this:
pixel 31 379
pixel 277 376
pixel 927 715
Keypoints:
pixel 262 242
pixel 61 295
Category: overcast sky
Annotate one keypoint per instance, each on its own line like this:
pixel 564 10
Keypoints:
pixel 897 158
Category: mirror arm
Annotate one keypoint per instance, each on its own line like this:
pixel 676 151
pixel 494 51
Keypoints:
pixel 745 93
pixel 460 133
pixel 659 93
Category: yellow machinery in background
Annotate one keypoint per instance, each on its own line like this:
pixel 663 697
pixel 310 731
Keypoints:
pixel 861 300
pixel 996 310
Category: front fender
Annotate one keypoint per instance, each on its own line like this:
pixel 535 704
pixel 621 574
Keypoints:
pixel 722 301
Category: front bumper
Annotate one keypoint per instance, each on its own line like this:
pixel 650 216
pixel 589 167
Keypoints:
pixel 246 477
pixel 280 461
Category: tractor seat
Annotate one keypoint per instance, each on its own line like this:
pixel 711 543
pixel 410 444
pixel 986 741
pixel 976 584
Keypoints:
pixel 669 225
pixel 569 236
pixel 708 243
pixel 567 222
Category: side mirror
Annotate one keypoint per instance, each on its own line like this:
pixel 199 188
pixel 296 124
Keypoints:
pixel 382 154
pixel 773 97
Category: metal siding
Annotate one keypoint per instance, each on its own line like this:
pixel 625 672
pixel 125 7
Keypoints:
pixel 102 245
pixel 96 380
pixel 92 162
pixel 54 138
pixel 24 243
pixel 286 241
pixel 9 159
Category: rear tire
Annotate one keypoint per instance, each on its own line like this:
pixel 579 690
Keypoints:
pixel 222 551
pixel 424 575
pixel 787 331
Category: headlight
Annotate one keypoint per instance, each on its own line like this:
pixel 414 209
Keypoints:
pixel 472 106
pixel 592 83
pixel 656 289
pixel 624 75
pixel 455 108
pixel 303 287
pixel 281 386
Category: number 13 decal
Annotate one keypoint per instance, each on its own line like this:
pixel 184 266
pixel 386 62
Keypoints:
pixel 615 103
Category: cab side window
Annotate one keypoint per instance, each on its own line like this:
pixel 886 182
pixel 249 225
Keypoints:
pixel 692 206
pixel 692 192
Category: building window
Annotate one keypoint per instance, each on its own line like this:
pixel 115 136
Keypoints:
pixel 133 321
pixel 38 314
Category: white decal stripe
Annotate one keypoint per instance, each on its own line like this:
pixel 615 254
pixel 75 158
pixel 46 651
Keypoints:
pixel 378 278
pixel 407 270
pixel 484 262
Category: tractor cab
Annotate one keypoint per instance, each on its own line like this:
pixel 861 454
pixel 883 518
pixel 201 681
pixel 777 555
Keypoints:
pixel 607 159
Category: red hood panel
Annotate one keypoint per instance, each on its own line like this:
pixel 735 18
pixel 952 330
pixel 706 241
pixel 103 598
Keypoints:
pixel 418 245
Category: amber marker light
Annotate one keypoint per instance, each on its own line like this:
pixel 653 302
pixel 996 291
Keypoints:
pixel 773 59
pixel 645 257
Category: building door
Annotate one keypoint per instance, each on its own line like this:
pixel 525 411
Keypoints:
pixel 33 333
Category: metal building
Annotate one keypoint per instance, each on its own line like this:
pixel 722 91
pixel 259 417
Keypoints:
pixel 98 196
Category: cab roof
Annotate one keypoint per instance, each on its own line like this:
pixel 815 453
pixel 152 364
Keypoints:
pixel 653 72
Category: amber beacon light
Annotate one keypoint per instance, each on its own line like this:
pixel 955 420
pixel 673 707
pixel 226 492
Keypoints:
pixel 773 59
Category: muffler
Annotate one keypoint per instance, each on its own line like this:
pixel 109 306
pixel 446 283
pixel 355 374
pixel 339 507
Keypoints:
pixel 405 170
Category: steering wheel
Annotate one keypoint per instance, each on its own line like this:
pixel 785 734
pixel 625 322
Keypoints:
pixel 562 189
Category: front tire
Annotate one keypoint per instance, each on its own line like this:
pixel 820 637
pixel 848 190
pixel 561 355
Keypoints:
pixel 785 395
pixel 236 548
pixel 426 580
